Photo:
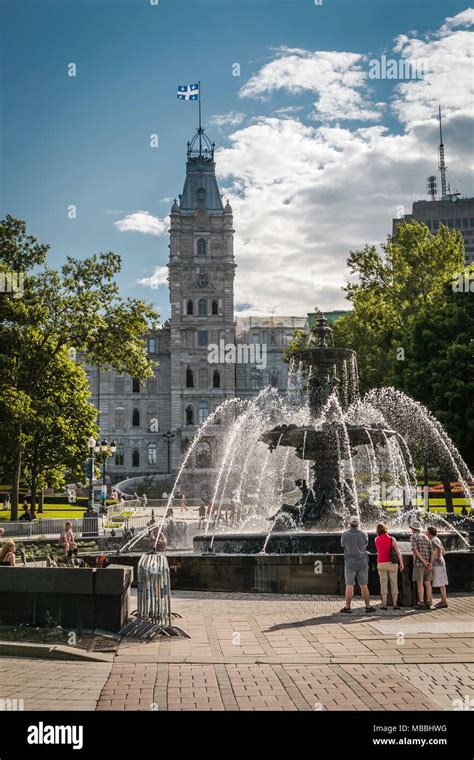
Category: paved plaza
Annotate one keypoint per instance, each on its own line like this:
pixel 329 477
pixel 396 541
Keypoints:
pixel 263 652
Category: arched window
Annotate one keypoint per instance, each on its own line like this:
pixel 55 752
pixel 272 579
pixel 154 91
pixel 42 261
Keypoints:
pixel 202 247
pixel 189 415
pixel 136 418
pixel 135 385
pixel 202 307
pixel 215 307
pixel 190 309
pixel 274 379
pixel 151 453
pixel 189 378
pixel 119 417
pixel 119 454
pixel 135 458
pixel 201 197
pixel 203 455
pixel 203 411
pixel 216 379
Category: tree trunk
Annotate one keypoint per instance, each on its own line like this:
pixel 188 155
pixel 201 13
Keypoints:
pixel 33 489
pixel 449 496
pixel 16 481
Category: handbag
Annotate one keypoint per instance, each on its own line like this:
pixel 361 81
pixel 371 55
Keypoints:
pixel 393 553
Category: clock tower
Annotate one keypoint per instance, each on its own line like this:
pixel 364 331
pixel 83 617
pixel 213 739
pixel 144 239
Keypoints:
pixel 201 281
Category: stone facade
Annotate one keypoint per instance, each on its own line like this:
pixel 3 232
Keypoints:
pixel 186 387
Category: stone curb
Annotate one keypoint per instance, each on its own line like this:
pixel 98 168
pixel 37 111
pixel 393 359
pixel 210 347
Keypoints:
pixel 420 659
pixel 51 652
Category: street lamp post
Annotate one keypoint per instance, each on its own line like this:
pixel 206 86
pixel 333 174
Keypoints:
pixel 104 450
pixel 169 438
pixel 90 517
pixel 90 504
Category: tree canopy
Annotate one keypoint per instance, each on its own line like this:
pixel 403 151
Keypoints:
pixel 76 307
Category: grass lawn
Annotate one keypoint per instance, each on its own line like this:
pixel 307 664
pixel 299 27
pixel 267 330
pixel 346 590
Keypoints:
pixel 52 510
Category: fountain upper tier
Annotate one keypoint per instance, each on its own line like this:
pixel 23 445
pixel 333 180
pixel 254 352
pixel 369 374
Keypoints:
pixel 324 364
pixel 310 442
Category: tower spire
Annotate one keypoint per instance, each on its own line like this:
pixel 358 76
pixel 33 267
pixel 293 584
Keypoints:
pixel 442 164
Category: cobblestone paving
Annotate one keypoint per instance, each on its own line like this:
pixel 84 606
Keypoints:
pixel 265 652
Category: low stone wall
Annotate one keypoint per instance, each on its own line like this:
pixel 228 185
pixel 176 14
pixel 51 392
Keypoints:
pixel 77 598
pixel 289 574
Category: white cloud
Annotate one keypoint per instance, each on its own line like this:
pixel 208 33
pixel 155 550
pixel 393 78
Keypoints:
pixel 336 78
pixel 286 110
pixel 464 18
pixel 159 277
pixel 144 222
pixel 230 119
pixel 304 195
pixel 449 81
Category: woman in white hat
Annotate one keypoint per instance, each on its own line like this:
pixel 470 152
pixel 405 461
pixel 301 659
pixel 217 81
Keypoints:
pixel 440 576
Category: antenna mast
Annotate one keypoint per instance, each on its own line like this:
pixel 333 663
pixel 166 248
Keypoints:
pixel 442 165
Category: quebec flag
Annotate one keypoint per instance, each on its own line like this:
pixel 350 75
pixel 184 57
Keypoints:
pixel 188 91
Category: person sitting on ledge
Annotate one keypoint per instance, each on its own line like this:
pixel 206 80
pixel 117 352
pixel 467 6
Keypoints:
pixel 157 540
pixel 7 553
pixel 26 512
pixel 67 539
pixel 356 563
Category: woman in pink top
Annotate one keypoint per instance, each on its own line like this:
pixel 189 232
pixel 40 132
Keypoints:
pixel 388 570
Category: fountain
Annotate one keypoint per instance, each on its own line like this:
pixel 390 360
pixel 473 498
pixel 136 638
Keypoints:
pixel 288 472
pixel 338 433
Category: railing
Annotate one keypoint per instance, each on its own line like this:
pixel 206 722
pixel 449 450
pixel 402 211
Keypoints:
pixel 49 526
pixel 141 507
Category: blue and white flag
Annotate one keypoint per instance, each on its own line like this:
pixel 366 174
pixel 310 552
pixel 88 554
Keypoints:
pixel 188 91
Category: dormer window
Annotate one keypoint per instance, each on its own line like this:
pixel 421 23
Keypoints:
pixel 202 247
pixel 201 197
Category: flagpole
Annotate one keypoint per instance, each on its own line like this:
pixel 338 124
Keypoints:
pixel 199 96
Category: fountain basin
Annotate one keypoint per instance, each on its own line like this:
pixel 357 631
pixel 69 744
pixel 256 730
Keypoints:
pixel 299 542
pixel 293 574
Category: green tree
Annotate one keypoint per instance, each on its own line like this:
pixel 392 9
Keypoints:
pixel 77 307
pixel 438 369
pixel 59 426
pixel 390 288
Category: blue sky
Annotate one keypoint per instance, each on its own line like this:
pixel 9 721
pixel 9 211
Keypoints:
pixel 84 140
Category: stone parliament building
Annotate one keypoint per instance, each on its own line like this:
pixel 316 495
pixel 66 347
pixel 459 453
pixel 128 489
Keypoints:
pixel 153 422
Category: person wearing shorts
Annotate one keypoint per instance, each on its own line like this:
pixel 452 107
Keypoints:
pixel 356 563
pixel 422 567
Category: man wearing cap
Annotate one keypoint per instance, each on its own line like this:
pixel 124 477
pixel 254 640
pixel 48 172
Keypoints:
pixel 422 569
pixel 356 563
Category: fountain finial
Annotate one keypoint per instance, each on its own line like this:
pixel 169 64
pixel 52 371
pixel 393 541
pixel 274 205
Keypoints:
pixel 319 333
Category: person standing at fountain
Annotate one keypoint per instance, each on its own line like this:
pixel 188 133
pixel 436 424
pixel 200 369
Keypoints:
pixel 388 570
pixel 183 502
pixel 422 568
pixel 356 563
pixel 440 576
